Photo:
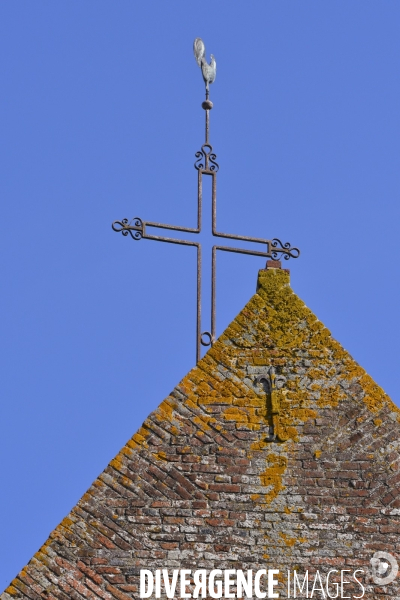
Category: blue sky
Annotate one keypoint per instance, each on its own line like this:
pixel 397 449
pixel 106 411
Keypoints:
pixel 100 119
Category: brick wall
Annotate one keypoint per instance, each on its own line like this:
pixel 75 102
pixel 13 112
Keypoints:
pixel 297 470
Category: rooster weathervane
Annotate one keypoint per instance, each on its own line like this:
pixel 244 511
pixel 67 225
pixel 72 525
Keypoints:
pixel 206 164
pixel 209 70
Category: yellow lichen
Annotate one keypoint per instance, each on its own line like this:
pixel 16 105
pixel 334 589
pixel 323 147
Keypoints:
pixel 291 541
pixel 160 456
pixel 11 590
pixel 166 410
pixel 117 462
pixel 288 540
pixel 271 478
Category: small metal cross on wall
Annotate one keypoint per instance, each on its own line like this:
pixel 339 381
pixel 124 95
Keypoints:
pixel 205 165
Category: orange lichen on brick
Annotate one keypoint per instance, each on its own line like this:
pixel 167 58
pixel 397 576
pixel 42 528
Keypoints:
pixel 271 478
pixel 117 462
pixel 289 541
pixel 204 422
pixel 13 591
pixel 375 398
pixel 165 411
pixel 139 439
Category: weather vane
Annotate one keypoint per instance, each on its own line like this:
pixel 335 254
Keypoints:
pixel 205 165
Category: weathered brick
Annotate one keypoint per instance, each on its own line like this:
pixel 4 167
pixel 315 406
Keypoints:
pixel 199 484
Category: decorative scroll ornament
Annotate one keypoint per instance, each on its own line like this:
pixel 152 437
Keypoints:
pixel 272 384
pixel 135 227
pixel 284 249
pixel 206 159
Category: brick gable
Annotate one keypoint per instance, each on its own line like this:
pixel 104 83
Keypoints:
pixel 200 486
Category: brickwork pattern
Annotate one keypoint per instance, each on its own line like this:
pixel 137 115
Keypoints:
pixel 198 486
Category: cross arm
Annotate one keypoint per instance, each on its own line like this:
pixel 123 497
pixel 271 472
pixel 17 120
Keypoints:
pixel 273 250
pixel 137 228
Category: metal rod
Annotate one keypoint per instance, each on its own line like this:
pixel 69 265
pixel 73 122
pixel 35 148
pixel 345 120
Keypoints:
pixel 243 238
pixel 213 294
pixel 241 251
pixel 199 201
pixel 170 240
pixel 198 317
pixel 172 227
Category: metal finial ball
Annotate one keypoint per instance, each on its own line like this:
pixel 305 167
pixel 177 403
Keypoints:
pixel 207 105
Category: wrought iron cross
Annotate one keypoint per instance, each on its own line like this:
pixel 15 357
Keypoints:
pixel 205 165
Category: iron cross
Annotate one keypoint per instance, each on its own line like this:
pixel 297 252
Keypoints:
pixel 205 165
